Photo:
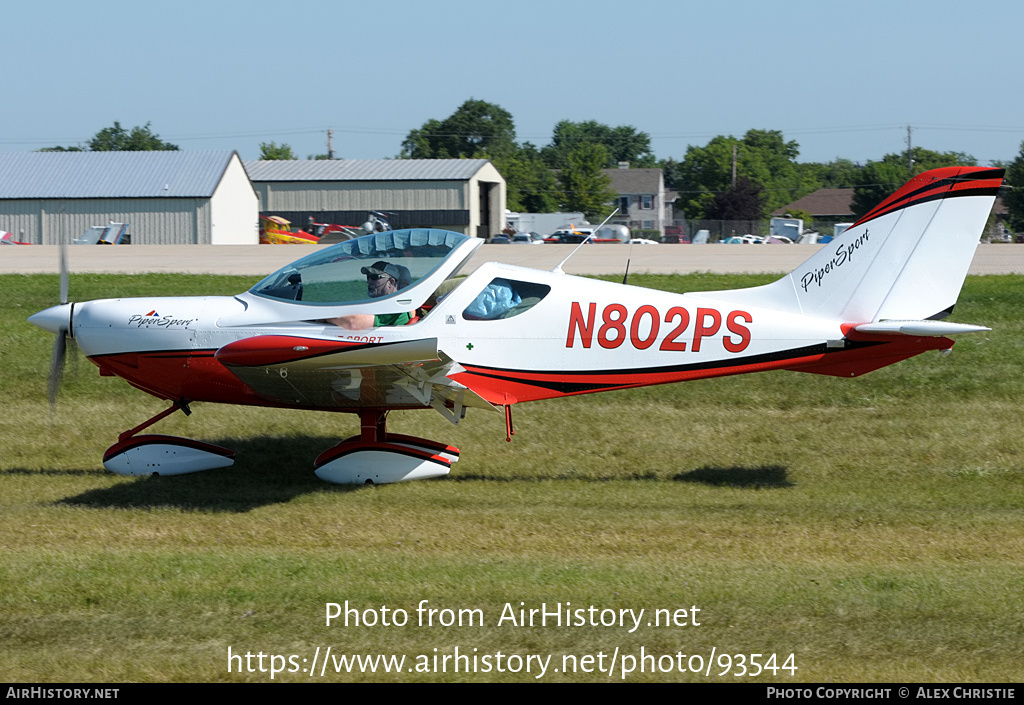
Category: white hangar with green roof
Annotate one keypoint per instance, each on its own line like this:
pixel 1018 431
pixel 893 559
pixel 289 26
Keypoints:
pixel 166 197
pixel 463 195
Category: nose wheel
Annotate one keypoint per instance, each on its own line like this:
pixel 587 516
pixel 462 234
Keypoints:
pixel 155 454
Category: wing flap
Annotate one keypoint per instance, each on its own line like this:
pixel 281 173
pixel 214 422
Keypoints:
pixel 336 375
pixel 302 352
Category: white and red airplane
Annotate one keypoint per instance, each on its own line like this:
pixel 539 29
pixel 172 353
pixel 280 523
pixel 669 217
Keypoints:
pixel 507 334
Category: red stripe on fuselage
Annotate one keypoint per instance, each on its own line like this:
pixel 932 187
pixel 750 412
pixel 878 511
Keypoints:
pixel 496 385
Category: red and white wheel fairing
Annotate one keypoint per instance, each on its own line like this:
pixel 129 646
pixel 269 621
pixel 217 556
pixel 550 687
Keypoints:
pixel 155 454
pixel 377 463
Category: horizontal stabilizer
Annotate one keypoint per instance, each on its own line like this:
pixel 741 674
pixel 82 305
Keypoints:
pixel 918 328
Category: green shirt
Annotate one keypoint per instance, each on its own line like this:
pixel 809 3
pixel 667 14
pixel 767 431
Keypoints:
pixel 392 319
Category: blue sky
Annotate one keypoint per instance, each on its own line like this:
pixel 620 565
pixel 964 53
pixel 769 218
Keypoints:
pixel 843 79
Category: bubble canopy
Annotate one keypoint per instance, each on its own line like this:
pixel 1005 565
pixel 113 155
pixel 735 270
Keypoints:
pixel 334 275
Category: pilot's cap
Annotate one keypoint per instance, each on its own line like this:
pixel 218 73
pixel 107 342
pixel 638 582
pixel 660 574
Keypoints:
pixel 383 267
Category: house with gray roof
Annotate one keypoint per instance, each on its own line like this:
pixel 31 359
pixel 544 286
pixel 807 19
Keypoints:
pixel 463 195
pixel 643 200
pixel 166 197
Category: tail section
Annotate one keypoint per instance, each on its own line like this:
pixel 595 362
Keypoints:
pixel 906 260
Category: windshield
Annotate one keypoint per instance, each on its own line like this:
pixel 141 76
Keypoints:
pixel 340 274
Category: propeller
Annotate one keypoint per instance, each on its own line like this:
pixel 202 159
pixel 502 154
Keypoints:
pixel 57 320
pixel 56 367
pixel 60 345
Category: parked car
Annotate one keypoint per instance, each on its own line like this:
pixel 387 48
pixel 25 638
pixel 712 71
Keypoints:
pixel 674 235
pixel 562 237
pixel 574 235
pixel 527 239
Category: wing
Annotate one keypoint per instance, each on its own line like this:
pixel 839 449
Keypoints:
pixel 326 373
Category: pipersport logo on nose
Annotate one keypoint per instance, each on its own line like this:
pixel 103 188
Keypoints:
pixel 154 319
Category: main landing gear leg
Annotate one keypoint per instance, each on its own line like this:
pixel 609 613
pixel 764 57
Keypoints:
pixel 376 457
pixel 154 454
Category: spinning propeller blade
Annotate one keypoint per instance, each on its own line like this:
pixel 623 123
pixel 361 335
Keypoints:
pixel 56 367
pixel 64 273
pixel 58 320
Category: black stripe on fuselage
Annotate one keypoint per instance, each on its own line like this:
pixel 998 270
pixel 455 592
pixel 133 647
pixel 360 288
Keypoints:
pixel 565 386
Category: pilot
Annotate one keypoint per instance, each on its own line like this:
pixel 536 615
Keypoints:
pixel 382 279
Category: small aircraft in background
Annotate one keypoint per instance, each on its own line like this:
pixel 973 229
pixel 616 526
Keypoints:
pixel 112 234
pixel 7 239
pixel 873 297
pixel 275 230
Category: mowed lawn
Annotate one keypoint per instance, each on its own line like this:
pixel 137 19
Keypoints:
pixel 867 529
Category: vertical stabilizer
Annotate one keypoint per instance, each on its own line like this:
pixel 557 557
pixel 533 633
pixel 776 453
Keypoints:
pixel 905 260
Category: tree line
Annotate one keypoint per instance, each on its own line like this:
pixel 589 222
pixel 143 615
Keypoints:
pixel 729 178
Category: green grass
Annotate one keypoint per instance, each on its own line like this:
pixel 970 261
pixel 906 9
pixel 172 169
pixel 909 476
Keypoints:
pixel 872 526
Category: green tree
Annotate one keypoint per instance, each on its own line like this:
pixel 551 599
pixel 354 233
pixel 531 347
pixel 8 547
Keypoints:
pixel 423 143
pixel 623 143
pixel 275 151
pixel 1014 198
pixel 703 172
pixel 482 130
pixel 476 129
pixel 744 201
pixel 139 139
pixel 841 173
pixel 531 185
pixel 762 156
pixel 583 186
pixel 118 139
pixel 782 179
pixel 878 180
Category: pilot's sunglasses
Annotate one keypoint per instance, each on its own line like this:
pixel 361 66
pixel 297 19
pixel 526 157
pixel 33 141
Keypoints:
pixel 375 277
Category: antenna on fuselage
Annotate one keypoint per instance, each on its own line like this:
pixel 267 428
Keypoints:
pixel 558 269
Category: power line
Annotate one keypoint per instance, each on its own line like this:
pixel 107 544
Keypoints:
pixel 271 132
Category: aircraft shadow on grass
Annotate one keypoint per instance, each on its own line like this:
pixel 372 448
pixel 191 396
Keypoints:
pixel 763 477
pixel 269 471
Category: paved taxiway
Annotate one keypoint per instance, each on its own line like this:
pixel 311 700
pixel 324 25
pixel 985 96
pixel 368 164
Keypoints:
pixel 259 260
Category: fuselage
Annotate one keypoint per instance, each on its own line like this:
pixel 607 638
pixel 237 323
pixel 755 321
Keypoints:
pixel 509 334
pixel 574 336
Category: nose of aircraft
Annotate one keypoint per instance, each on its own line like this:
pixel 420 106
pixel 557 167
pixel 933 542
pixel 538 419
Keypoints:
pixel 54 319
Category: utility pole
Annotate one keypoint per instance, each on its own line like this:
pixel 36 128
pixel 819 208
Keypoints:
pixel 734 166
pixel 330 149
pixel 910 153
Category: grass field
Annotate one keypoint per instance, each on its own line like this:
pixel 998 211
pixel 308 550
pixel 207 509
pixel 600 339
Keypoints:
pixel 871 527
